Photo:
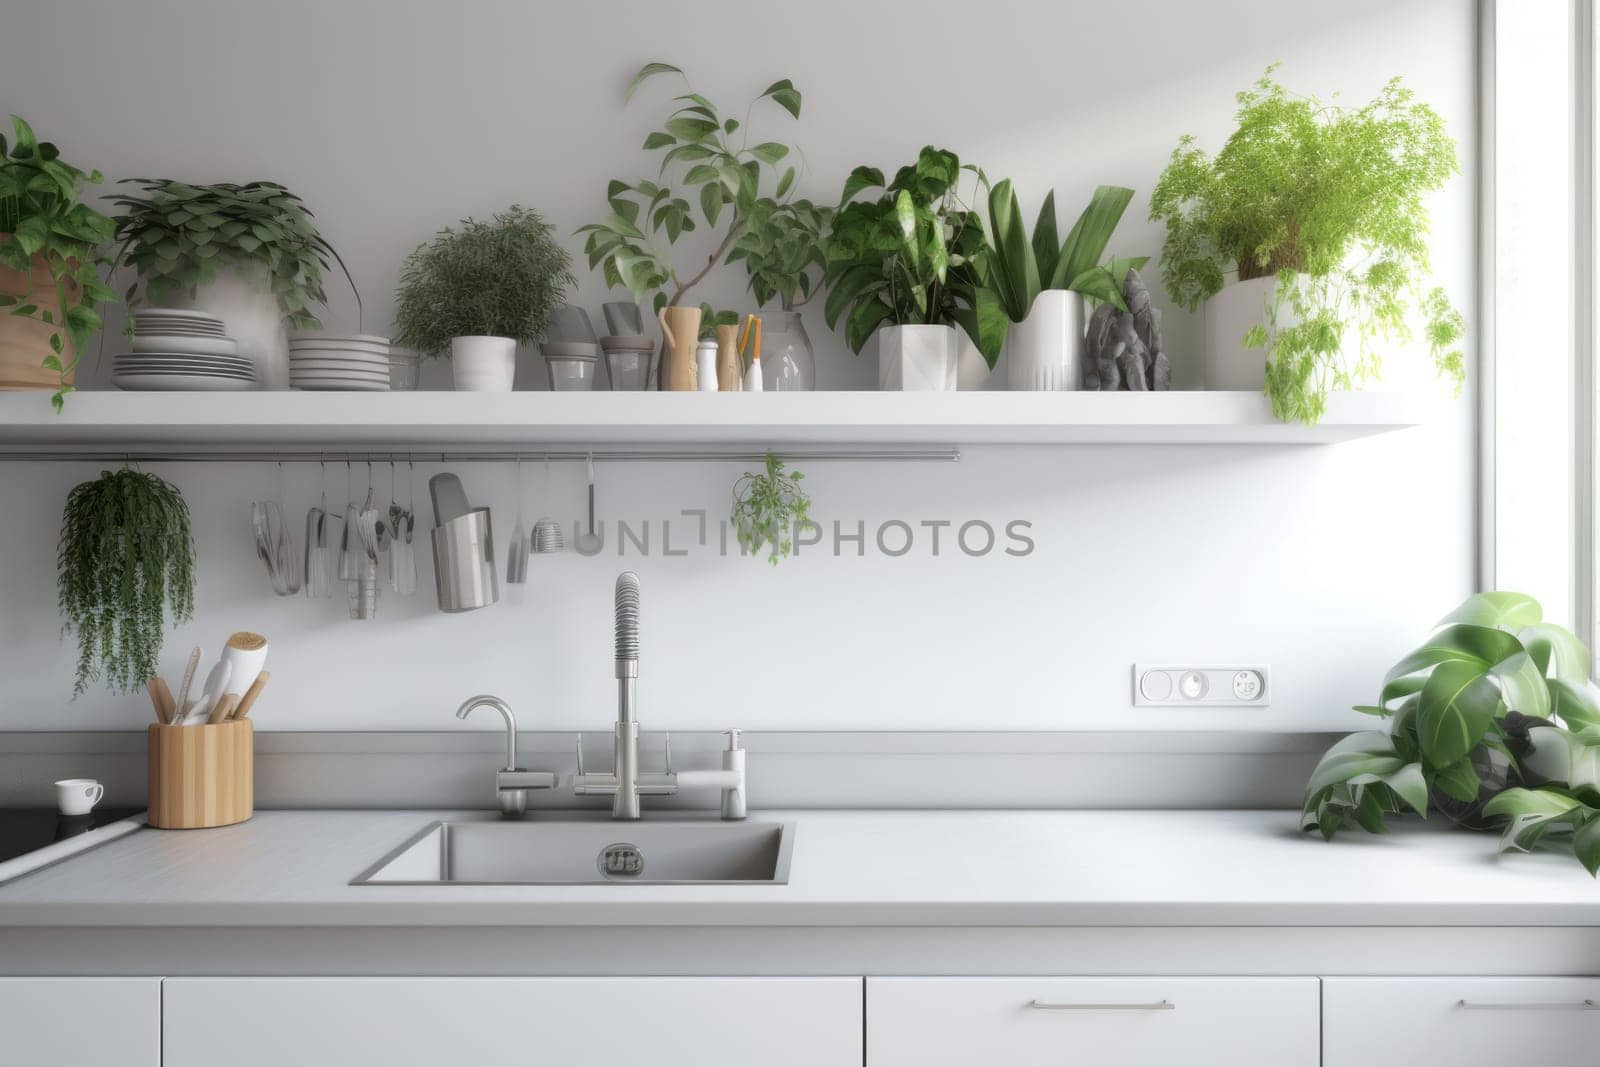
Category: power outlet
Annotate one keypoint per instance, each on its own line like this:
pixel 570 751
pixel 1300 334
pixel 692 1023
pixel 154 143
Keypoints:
pixel 1163 685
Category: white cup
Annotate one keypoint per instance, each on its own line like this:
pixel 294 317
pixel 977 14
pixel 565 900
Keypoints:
pixel 78 796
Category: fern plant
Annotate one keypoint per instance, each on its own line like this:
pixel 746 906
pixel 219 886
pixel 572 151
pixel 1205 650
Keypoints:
pixel 1329 200
pixel 124 562
pixel 768 508
pixel 502 278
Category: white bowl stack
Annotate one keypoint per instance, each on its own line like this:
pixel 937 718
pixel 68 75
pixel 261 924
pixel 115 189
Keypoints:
pixel 182 351
pixel 329 361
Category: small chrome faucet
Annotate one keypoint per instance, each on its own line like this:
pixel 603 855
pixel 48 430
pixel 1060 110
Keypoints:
pixel 513 783
pixel 625 784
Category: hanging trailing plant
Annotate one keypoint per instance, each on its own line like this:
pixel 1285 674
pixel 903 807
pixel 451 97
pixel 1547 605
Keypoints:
pixel 126 558
pixel 768 508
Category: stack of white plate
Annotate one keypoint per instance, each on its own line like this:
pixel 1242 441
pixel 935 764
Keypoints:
pixel 338 361
pixel 181 351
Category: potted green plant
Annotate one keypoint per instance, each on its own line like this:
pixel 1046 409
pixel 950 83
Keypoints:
pixel 1494 721
pixel 904 266
pixel 479 292
pixel 125 563
pixel 50 264
pixel 1041 283
pixel 782 251
pixel 248 254
pixel 1306 239
pixel 706 152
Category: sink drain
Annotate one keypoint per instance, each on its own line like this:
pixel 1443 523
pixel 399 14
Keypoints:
pixel 621 860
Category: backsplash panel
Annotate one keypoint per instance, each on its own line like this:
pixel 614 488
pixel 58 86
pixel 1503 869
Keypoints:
pixel 1323 563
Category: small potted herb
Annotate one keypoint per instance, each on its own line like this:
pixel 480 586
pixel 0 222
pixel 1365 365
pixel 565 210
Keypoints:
pixel 50 264
pixel 248 254
pixel 904 266
pixel 783 253
pixel 1306 239
pixel 481 290
pixel 125 563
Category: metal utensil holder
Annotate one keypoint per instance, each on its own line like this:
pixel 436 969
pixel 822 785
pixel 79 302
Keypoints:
pixel 463 562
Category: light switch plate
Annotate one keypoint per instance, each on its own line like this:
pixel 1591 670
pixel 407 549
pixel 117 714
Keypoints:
pixel 1188 685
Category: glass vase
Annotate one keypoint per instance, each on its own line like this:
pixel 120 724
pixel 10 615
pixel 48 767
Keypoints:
pixel 788 363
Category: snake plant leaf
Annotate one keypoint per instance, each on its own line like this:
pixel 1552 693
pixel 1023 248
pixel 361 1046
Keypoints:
pixel 645 72
pixel 1086 241
pixel 1046 240
pixel 1458 780
pixel 1481 646
pixel 1576 704
pixel 1522 685
pixel 1098 283
pixel 1557 651
pixel 1513 610
pixel 985 322
pixel 1459 701
pixel 1013 269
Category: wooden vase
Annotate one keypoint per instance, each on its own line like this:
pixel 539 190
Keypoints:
pixel 730 368
pixel 201 775
pixel 25 340
pixel 680 328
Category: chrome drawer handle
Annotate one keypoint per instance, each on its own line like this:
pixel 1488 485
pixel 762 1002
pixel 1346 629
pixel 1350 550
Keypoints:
pixel 1480 1005
pixel 1159 1005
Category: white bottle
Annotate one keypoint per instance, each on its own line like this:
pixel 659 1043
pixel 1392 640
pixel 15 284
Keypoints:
pixel 705 357
pixel 752 375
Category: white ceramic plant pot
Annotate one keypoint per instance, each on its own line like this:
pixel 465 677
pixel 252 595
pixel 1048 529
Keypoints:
pixel 483 364
pixel 917 358
pixel 1228 317
pixel 1044 352
pixel 244 301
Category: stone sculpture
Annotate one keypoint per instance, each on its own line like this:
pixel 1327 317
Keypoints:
pixel 1124 347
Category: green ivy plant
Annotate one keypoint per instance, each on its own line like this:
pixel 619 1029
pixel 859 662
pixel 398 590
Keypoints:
pixel 1017 266
pixel 1329 199
pixel 502 278
pixel 768 508
pixel 44 221
pixel 910 256
pixel 783 251
pixel 706 152
pixel 1493 721
pixel 178 236
pixel 124 562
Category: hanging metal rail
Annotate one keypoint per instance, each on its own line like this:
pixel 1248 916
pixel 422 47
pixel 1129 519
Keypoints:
pixel 179 454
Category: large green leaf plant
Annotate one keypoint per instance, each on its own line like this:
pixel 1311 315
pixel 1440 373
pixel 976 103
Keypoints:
pixel 703 151
pixel 1018 266
pixel 44 221
pixel 1494 721
pixel 1330 200
pixel 911 256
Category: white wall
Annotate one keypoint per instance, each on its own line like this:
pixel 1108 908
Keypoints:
pixel 393 119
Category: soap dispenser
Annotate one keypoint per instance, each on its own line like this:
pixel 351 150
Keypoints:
pixel 733 802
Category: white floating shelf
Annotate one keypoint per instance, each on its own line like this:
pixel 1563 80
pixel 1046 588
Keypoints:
pixel 432 421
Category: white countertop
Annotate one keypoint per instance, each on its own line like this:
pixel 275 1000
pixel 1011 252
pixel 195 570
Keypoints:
pixel 855 868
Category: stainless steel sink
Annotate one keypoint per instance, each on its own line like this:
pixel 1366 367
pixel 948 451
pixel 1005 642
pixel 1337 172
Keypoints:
pixel 589 853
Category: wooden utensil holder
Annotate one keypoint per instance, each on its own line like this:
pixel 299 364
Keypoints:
pixel 201 775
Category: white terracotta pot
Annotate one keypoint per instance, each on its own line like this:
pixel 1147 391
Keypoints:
pixel 1044 352
pixel 483 364
pixel 244 301
pixel 1228 317
pixel 917 358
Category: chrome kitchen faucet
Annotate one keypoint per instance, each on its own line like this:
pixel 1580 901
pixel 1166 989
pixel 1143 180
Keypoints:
pixel 625 784
pixel 511 784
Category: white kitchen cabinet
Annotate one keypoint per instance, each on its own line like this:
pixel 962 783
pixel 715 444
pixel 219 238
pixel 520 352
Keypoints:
pixel 80 1022
pixel 1461 1022
pixel 1106 1022
pixel 665 1022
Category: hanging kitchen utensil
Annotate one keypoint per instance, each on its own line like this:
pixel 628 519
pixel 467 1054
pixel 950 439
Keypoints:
pixel 289 562
pixel 547 536
pixel 589 542
pixel 402 557
pixel 318 584
pixel 517 551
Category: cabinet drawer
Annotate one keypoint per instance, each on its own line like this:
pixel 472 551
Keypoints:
pixel 665 1022
pixel 1107 1022
pixel 80 1021
pixel 1463 1022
